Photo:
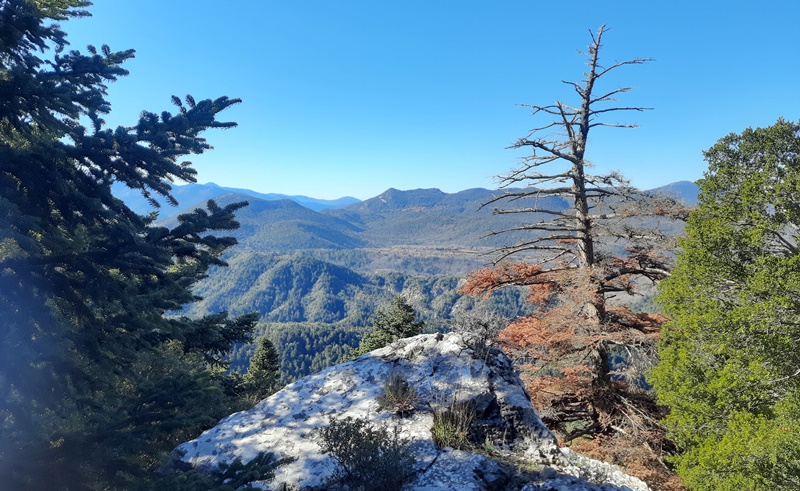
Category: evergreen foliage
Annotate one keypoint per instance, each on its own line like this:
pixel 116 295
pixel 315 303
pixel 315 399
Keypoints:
pixel 263 375
pixel 396 322
pixel 95 382
pixel 304 348
pixel 234 476
pixel 299 288
pixel 265 360
pixel 730 368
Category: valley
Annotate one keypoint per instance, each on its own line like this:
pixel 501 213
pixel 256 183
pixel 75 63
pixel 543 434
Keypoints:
pixel 317 277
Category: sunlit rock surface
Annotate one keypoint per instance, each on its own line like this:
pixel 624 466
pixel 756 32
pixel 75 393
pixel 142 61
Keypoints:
pixel 521 453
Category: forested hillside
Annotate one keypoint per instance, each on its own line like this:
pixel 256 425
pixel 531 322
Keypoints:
pixel 305 347
pixel 337 267
pixel 298 288
pixel 327 305
pixel 328 272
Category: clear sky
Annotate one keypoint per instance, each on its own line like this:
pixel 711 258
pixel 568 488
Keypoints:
pixel 352 97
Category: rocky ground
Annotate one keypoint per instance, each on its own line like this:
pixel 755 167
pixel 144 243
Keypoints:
pixel 509 447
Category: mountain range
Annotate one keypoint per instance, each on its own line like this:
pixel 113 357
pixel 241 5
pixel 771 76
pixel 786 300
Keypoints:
pixel 189 194
pixel 421 222
pixel 294 264
pixel 302 269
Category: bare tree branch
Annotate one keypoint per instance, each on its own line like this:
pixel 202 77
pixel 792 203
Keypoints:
pixel 575 271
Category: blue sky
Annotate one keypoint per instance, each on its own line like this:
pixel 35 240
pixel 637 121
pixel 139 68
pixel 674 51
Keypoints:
pixel 354 97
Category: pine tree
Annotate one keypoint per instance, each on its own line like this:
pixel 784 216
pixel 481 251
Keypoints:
pixel 584 360
pixel 730 367
pixel 96 383
pixel 264 372
pixel 396 322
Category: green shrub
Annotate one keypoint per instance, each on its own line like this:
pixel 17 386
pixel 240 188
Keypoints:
pixel 234 476
pixel 371 457
pixel 452 424
pixel 398 395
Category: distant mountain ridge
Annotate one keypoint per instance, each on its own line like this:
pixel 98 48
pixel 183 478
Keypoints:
pixel 190 194
pixel 684 191
pixel 416 218
pixel 284 225
pixel 427 218
pixel 430 217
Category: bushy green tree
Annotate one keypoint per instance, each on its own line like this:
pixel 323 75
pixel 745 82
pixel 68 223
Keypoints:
pixel 264 372
pixel 396 322
pixel 730 367
pixel 95 381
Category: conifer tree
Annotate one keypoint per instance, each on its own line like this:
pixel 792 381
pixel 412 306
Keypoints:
pixel 396 322
pixel 263 374
pixel 96 383
pixel 730 367
pixel 583 241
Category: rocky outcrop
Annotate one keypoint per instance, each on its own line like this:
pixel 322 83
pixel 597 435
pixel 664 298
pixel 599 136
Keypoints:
pixel 511 448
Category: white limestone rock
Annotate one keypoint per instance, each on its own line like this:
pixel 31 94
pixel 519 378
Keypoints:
pixel 442 370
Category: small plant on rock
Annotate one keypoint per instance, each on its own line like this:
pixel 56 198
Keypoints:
pixel 372 457
pixel 398 395
pixel 478 329
pixel 452 424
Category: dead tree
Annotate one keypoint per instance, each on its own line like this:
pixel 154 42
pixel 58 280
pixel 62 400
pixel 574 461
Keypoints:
pixel 569 236
pixel 572 336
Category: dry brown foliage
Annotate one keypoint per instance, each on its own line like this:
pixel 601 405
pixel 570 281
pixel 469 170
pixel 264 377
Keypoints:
pixel 566 354
pixel 635 455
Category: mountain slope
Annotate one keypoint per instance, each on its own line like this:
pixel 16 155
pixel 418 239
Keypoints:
pixel 189 194
pixel 429 217
pixel 295 288
pixel 284 225
pixel 684 191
